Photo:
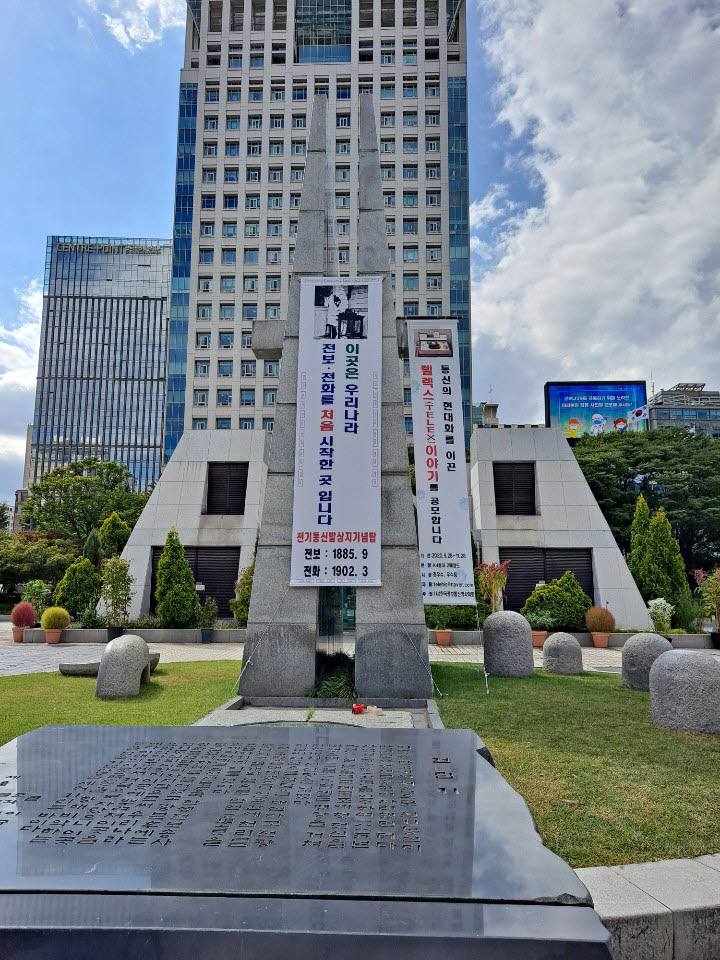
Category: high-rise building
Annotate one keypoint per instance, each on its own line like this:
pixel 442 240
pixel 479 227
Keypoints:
pixel 102 364
pixel 251 71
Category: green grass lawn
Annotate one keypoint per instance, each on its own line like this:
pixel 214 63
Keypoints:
pixel 604 785
pixel 178 693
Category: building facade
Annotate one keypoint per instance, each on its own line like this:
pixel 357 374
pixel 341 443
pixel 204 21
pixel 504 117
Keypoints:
pixel 687 405
pixel 251 71
pixel 102 363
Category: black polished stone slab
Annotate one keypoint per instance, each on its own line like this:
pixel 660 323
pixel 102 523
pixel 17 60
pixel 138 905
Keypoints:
pixel 245 835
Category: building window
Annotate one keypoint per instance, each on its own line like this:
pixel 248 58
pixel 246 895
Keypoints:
pixel 297 174
pixel 274 228
pixel 234 94
pixel 514 489
pixel 249 312
pixel 208 201
pixel 432 171
pixel 432 88
pixel 227 284
pixel 410 118
pixel 390 228
pixel 268 424
pixel 247 368
pixel 410 88
pixel 204 284
pixel 224 398
pixel 202 368
pixel 222 423
pixel 200 398
pixel 342 201
pixel 227 311
pixel 410 171
pixel 432 198
pixel 411 281
pixel 408 426
pixel 230 201
pixel 388 200
pixel 250 284
pixel 199 423
pixel 410 199
pixel 342 120
pixel 410 255
pixel 247 339
pixel 225 368
pixel 387 91
pixel 323 31
pixel 387 146
pixel 226 339
pixel 226 486
pixel 204 311
pixel 229 228
pixel 246 423
pixel 247 397
pixel 232 148
pixel 277 122
pixel 387 119
pixel 298 148
pixel 210 149
pixel 273 257
pixel 410 226
pixel 411 308
pixel 275 201
pixel 202 340
pixel 269 396
pixel 272 284
pixel 432 225
pixel 272 311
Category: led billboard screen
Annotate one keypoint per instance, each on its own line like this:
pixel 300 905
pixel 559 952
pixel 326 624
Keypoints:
pixel 580 408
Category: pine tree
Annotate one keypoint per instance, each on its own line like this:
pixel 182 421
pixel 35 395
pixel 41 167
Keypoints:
pixel 92 550
pixel 176 601
pixel 662 571
pixel 79 588
pixel 638 538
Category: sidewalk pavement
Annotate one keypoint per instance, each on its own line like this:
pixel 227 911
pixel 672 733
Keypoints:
pixel 20 658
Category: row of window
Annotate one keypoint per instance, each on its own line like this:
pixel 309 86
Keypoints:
pixel 343 90
pixel 692 413
pixel 273 257
pixel 233 121
pixel 251 230
pixel 366 47
pixel 248 368
pixel 224 423
pixel 223 397
pixel 231 201
pixel 298 148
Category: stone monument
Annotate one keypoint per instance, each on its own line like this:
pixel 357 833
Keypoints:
pixel 265 843
pixel 391 658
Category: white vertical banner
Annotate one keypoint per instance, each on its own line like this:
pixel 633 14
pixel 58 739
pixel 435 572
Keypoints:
pixel 336 506
pixel 443 507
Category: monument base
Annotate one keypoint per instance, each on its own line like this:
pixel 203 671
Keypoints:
pixel 392 662
pixel 266 842
pixel 278 661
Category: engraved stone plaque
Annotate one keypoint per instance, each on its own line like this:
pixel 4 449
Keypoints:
pixel 237 819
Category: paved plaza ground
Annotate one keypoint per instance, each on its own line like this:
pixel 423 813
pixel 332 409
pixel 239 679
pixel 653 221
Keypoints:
pixel 19 658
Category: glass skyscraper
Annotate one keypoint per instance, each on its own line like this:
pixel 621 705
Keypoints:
pixel 102 364
pixel 251 70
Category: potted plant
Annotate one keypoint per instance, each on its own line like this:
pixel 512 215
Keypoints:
pixel 208 616
pixel 443 633
pixel 540 621
pixel 116 594
pixel 709 590
pixel 490 581
pixel 54 621
pixel 22 615
pixel 660 613
pixel 601 623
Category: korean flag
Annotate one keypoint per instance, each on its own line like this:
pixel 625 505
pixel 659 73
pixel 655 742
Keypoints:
pixel 640 413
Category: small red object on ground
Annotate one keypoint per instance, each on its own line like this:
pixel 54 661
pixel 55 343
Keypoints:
pixel 358 708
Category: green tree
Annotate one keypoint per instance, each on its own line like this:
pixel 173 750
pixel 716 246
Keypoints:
pixel 638 536
pixel 24 558
pixel 176 601
pixel 662 572
pixel 672 469
pixel 79 588
pixel 77 498
pixel 564 600
pixel 92 549
pixel 114 534
pixel 5 514
pixel 116 591
pixel 240 606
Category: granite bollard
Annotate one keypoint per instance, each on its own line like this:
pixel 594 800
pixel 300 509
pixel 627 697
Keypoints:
pixel 124 665
pixel 562 654
pixel 507 645
pixel 685 691
pixel 638 655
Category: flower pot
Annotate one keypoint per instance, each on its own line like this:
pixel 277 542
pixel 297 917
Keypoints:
pixel 206 635
pixel 52 636
pixel 538 638
pixel 18 634
pixel 600 639
pixel 442 637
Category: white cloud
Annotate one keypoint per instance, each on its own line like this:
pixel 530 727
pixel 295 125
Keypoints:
pixel 12 446
pixel 619 271
pixel 20 340
pixel 137 23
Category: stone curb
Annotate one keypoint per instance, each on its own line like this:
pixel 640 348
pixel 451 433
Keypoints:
pixel 664 910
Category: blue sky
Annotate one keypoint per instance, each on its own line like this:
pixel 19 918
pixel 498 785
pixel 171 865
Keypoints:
pixel 594 160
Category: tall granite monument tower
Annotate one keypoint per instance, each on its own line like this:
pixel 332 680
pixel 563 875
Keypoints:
pixel 391 658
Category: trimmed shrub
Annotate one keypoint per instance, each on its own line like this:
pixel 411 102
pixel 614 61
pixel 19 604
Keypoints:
pixel 440 617
pixel 55 618
pixel 563 599
pixel 113 535
pixel 240 606
pixel 79 588
pixel 177 604
pixel 599 620
pixel 22 615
